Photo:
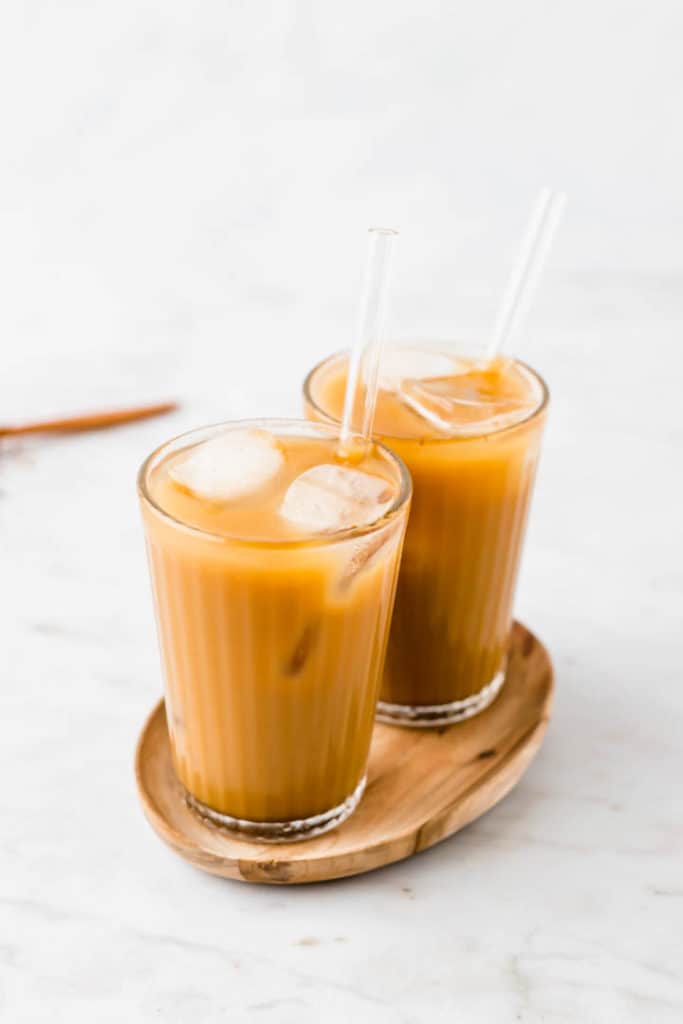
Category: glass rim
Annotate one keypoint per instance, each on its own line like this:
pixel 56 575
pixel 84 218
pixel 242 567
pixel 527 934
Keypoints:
pixel 542 405
pixel 265 423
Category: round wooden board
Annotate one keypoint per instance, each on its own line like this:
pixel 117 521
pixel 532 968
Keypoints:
pixel 423 785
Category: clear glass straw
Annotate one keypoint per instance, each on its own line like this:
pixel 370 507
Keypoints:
pixel 365 354
pixel 527 271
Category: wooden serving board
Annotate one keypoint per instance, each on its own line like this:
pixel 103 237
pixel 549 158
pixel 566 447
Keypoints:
pixel 423 785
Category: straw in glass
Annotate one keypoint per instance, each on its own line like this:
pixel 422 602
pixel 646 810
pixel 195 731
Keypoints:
pixel 526 273
pixel 362 380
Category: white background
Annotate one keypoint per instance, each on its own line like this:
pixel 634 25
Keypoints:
pixel 184 194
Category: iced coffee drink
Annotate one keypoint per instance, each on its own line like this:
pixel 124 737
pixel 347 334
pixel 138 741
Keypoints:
pixel 470 435
pixel 274 566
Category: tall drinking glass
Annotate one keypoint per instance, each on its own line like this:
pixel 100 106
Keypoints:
pixel 470 436
pixel 272 626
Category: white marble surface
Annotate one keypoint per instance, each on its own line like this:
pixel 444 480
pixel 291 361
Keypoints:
pixel 184 192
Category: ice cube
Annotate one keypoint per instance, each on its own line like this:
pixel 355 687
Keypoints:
pixel 461 404
pixel 326 498
pixel 230 466
pixel 399 364
pixel 365 553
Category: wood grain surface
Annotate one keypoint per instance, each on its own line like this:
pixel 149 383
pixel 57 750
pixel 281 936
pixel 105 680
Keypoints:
pixel 423 785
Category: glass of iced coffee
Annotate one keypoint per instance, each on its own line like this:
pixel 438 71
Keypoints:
pixel 470 434
pixel 274 566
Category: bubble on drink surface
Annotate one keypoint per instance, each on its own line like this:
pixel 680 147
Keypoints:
pixel 467 403
pixel 230 466
pixel 399 364
pixel 327 498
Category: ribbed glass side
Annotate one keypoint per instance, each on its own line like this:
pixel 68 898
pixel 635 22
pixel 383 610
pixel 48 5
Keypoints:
pixel 272 664
pixel 454 601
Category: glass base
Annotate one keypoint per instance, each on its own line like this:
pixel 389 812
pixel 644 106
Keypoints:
pixel 422 716
pixel 280 831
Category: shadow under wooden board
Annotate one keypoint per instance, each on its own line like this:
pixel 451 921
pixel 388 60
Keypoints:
pixel 423 785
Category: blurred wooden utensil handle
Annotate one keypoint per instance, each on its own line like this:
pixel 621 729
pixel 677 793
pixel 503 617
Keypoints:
pixel 90 421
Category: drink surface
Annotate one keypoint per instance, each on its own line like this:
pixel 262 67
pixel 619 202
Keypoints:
pixel 470 436
pixel 426 394
pixel 249 484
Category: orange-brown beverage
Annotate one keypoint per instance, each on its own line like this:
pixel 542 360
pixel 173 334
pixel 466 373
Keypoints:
pixel 470 436
pixel 274 568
